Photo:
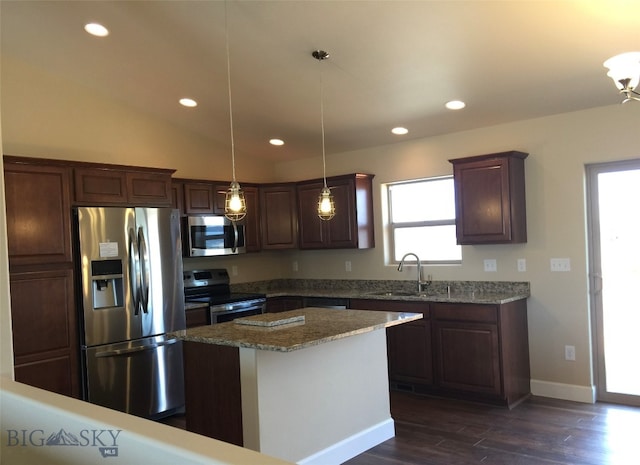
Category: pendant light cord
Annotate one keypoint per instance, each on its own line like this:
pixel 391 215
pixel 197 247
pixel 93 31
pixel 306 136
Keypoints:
pixel 324 164
pixel 233 155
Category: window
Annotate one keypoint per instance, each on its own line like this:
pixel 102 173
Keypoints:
pixel 423 220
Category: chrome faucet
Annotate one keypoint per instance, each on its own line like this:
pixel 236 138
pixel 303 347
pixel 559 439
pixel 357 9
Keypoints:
pixel 420 282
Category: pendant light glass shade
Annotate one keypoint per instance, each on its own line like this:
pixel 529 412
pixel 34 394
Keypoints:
pixel 235 207
pixel 326 205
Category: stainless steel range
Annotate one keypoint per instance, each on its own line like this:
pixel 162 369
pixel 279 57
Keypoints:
pixel 212 286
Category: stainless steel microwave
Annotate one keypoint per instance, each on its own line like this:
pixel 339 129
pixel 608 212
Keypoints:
pixel 213 235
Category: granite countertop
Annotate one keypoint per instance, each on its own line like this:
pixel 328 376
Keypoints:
pixel 479 292
pixel 320 325
pixel 480 297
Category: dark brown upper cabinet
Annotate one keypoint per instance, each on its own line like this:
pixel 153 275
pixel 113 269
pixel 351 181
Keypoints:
pixel 490 198
pixel 351 227
pixel 122 186
pixel 279 221
pixel 199 198
pixel 38 209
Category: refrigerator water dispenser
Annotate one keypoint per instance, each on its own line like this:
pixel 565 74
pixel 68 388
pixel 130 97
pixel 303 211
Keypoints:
pixel 106 282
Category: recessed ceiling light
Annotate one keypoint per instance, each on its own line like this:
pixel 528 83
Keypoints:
pixel 96 29
pixel 187 102
pixel 455 105
pixel 276 142
pixel 400 131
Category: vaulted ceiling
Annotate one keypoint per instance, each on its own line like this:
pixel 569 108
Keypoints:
pixel 393 63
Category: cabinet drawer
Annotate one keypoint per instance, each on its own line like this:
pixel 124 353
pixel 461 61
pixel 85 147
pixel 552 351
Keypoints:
pixel 465 312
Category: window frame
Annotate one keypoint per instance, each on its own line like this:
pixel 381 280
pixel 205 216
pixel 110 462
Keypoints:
pixel 416 224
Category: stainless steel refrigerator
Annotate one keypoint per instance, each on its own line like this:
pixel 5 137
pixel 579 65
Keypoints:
pixel 130 295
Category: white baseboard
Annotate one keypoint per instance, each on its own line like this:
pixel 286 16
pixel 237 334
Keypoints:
pixel 354 445
pixel 572 392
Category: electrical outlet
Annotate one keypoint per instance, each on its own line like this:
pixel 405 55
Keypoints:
pixel 234 270
pixel 560 264
pixel 294 266
pixel 522 264
pixel 490 264
pixel 570 353
pixel 347 266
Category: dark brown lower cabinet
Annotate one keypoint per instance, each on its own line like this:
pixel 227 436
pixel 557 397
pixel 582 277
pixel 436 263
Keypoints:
pixel 213 402
pixel 464 350
pixel 481 352
pixel 409 348
pixel 45 339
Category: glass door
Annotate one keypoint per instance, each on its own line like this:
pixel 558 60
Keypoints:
pixel 613 191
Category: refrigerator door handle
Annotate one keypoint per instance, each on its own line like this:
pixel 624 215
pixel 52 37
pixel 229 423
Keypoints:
pixel 134 271
pixel 133 350
pixel 144 271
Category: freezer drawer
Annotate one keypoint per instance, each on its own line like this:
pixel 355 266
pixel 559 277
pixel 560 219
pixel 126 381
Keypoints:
pixel 143 377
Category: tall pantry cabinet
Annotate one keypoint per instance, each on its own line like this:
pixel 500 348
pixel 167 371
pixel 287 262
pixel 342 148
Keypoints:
pixel 44 324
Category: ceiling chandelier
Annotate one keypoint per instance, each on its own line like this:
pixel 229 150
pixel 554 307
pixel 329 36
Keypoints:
pixel 624 69
pixel 235 207
pixel 326 205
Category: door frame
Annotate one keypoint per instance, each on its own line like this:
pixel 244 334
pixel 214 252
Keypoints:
pixel 595 278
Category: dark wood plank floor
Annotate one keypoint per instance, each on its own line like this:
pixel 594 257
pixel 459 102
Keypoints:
pixel 540 431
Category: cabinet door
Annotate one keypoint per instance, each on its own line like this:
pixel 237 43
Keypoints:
pixel 177 196
pixel 278 219
pixel 342 227
pixel 467 356
pixel 312 233
pixel 220 196
pixel 198 198
pixel 352 225
pixel 490 199
pixel 410 357
pixel 148 189
pixel 45 336
pixel 338 232
pixel 100 186
pixel 38 213
pixel 409 347
pixel 252 219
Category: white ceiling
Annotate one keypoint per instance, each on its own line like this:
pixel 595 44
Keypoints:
pixel 392 63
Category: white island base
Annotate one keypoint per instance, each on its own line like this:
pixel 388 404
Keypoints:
pixel 317 406
pixel 312 393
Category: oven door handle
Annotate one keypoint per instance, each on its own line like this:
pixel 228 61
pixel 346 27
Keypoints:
pixel 234 249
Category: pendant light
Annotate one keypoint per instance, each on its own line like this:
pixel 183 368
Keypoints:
pixel 326 205
pixel 235 207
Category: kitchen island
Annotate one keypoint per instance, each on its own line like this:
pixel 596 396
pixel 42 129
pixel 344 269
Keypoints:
pixel 309 385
